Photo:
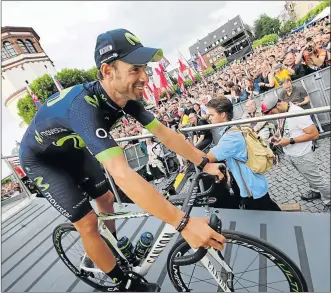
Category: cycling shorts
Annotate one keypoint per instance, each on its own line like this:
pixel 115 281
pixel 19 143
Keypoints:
pixel 67 179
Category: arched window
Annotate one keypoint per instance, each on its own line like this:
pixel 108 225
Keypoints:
pixel 4 54
pixel 30 46
pixel 10 49
pixel 22 46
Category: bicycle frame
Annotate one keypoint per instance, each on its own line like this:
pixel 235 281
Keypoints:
pixel 160 244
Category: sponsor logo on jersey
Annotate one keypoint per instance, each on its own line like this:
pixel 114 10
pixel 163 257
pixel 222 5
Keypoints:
pixel 52 131
pixel 57 205
pixel 38 137
pixel 40 184
pixel 132 39
pixel 93 101
pixel 100 183
pixel 77 140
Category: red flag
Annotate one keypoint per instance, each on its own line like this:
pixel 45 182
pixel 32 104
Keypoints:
pixel 202 62
pixel 181 80
pixel 182 66
pixel 191 74
pixel 156 94
pixel 163 80
pixel 149 87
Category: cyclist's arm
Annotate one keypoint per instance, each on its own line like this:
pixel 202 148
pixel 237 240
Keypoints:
pixel 141 192
pixel 172 140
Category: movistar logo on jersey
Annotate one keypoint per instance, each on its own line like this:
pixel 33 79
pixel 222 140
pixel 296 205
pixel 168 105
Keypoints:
pixel 38 137
pixel 93 101
pixel 132 39
pixel 77 140
pixel 40 184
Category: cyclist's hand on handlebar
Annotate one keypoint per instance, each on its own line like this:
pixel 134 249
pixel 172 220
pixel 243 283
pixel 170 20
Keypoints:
pixel 198 233
pixel 213 169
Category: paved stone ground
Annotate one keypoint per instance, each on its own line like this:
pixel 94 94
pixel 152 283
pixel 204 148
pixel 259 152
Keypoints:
pixel 286 184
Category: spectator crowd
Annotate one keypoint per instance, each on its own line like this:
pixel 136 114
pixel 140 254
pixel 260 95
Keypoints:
pixel 278 65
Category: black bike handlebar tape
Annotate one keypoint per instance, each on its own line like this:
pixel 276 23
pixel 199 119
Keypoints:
pixel 216 224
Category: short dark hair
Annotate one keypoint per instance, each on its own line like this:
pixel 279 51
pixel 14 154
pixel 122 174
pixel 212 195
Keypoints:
pixel 222 105
pixel 236 89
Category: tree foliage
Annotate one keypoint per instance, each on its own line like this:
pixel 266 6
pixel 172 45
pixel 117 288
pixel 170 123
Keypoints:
pixel 197 77
pixel 266 41
pixel 266 25
pixel 6 181
pixel 208 71
pixel 313 12
pixel 221 63
pixel 44 87
pixel 188 83
pixel 287 27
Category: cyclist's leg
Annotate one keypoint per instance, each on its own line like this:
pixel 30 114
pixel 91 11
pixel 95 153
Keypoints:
pixel 61 189
pixel 96 185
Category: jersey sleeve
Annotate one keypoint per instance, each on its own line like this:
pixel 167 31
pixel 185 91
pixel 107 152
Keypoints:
pixel 87 121
pixel 137 111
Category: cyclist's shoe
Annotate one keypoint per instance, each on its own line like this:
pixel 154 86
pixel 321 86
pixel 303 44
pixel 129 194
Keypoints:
pixel 136 283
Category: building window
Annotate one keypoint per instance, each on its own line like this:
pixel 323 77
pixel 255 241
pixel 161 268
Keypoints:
pixel 31 48
pixel 223 31
pixel 235 23
pixel 22 46
pixel 206 49
pixel 238 29
pixel 4 54
pixel 214 36
pixel 10 49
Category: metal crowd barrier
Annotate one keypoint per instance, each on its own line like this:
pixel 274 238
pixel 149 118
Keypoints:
pixel 316 84
pixel 134 154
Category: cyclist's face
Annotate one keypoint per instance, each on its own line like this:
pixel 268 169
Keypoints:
pixel 129 80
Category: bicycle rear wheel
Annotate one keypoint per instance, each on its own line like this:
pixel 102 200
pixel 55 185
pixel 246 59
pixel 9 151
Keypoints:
pixel 69 247
pixel 257 266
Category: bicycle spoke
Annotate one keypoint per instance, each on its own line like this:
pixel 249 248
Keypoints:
pixel 255 269
pixel 192 274
pixel 258 284
pixel 235 257
pixel 248 267
pixel 199 280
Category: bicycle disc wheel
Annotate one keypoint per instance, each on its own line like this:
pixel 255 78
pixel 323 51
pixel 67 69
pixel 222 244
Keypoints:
pixel 69 247
pixel 257 266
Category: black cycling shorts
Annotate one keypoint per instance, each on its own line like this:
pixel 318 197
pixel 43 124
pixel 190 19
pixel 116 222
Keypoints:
pixel 67 179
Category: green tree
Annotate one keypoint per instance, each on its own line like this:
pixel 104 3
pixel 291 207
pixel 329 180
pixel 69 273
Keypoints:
pixel 26 109
pixel 197 77
pixel 266 25
pixel 266 41
pixel 188 83
pixel 221 63
pixel 313 12
pixel 209 71
pixel 287 27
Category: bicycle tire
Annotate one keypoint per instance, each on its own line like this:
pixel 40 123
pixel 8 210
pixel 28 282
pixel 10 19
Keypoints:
pixel 58 233
pixel 294 276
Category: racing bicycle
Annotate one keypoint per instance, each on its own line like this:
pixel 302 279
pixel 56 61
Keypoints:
pixel 246 262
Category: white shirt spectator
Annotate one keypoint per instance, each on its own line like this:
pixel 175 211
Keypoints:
pixel 293 128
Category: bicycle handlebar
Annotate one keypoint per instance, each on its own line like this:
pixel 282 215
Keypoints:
pixel 215 223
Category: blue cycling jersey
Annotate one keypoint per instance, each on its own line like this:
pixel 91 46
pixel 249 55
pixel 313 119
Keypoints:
pixel 79 117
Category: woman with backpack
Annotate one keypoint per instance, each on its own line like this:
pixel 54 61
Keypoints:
pixel 238 151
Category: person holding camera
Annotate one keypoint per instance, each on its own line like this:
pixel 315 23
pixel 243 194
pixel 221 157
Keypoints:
pixel 280 73
pixel 313 57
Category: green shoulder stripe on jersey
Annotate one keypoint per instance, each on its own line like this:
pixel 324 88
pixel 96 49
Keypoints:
pixel 58 98
pixel 109 153
pixel 152 125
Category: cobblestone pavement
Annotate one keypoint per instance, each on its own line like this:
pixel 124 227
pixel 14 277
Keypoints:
pixel 286 184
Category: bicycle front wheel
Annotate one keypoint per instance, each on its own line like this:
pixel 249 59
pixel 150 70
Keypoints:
pixel 257 266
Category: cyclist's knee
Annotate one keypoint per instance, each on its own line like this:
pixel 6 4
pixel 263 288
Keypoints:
pixel 106 199
pixel 88 225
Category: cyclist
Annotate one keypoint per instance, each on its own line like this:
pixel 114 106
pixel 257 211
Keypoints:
pixel 69 137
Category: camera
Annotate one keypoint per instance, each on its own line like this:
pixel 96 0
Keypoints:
pixel 310 48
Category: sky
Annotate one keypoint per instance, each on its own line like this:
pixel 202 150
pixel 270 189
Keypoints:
pixel 68 31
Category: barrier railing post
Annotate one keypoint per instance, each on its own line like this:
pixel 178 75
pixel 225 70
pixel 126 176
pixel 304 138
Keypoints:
pixel 311 103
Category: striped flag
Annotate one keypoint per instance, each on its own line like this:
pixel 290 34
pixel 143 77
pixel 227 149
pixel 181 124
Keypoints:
pixel 57 83
pixel 202 62
pixel 164 63
pixel 34 97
